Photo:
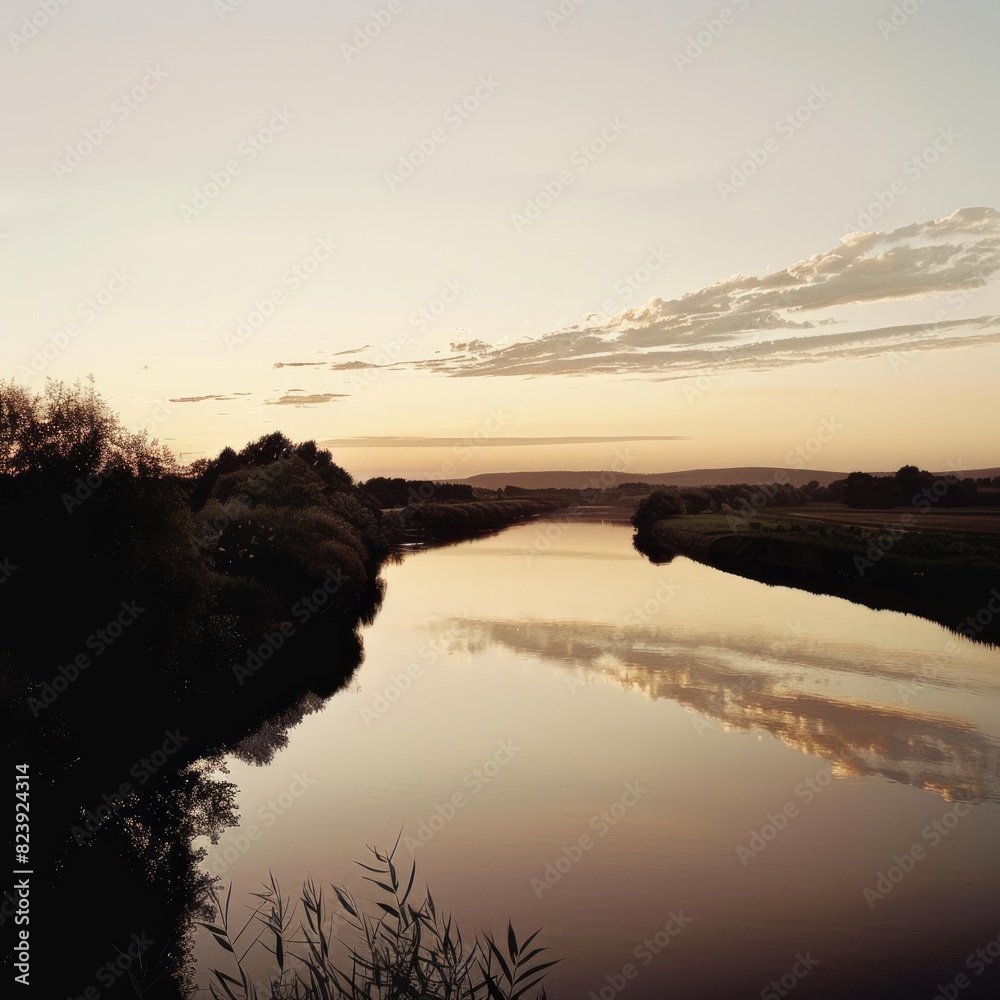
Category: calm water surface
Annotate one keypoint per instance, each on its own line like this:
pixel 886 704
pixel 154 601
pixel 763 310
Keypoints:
pixel 576 739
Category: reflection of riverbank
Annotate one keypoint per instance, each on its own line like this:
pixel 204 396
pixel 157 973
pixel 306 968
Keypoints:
pixel 781 691
pixel 429 523
pixel 946 578
pixel 594 514
pixel 550 525
pixel 123 781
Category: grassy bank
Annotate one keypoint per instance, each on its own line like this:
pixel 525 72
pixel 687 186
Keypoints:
pixel 944 575
pixel 852 545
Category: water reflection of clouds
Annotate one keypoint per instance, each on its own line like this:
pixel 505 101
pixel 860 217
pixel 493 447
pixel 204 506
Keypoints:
pixel 780 691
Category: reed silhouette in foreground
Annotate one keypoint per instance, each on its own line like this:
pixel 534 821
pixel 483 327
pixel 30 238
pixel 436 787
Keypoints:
pixel 404 951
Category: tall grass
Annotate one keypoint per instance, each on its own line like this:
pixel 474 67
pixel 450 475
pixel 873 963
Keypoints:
pixel 400 951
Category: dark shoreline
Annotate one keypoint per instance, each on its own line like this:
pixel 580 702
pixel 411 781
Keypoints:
pixel 428 524
pixel 948 592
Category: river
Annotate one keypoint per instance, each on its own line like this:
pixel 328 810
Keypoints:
pixel 698 785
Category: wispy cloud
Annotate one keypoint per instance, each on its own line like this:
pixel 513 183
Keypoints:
pixel 296 397
pixel 494 442
pixel 782 318
pixel 202 399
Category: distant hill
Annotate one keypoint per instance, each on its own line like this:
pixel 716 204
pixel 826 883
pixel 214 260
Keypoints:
pixel 689 477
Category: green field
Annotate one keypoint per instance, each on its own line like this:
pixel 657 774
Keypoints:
pixel 899 540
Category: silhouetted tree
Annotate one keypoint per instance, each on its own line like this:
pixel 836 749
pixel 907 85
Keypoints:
pixel 69 430
pixel 660 504
pixel 911 481
pixel 863 490
pixel 696 501
pixel 266 449
pixel 321 461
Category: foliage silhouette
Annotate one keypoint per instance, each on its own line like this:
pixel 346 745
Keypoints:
pixel 143 604
pixel 138 594
pixel 405 950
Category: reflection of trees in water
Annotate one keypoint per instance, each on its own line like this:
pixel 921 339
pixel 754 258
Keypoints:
pixel 751 687
pixel 655 551
pixel 232 561
pixel 111 870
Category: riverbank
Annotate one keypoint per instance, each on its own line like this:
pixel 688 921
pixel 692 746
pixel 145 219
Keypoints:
pixel 430 523
pixel 948 576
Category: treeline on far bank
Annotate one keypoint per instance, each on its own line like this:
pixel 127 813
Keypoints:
pixel 947 576
pixel 908 487
pixel 913 487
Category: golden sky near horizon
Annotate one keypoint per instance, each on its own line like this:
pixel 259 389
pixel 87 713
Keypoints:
pixel 762 233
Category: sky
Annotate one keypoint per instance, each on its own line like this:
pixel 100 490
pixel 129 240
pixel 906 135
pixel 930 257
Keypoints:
pixel 452 238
